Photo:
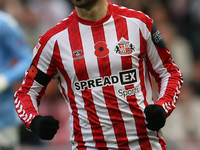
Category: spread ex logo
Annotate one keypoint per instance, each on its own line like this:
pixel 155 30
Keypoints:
pixel 126 77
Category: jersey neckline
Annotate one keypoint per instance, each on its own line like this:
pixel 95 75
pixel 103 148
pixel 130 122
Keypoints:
pixel 101 21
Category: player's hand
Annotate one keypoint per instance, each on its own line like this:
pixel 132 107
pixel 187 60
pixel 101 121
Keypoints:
pixel 45 126
pixel 155 117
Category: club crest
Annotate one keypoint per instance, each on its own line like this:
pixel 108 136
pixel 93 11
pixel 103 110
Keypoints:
pixel 124 47
pixel 78 54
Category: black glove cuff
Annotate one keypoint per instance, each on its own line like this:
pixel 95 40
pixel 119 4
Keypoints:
pixel 33 123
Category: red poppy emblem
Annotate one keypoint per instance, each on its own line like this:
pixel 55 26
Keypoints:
pixel 33 71
pixel 101 49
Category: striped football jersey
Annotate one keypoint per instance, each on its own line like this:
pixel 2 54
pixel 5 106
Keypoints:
pixel 103 71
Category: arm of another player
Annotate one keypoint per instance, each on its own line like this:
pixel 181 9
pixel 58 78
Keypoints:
pixel 17 49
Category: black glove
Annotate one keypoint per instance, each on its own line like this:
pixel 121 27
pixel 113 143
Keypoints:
pixel 155 117
pixel 45 126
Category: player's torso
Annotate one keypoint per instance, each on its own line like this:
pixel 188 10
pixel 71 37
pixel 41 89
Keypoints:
pixel 104 65
pixel 103 55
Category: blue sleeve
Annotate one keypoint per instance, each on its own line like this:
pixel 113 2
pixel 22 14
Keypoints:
pixel 17 47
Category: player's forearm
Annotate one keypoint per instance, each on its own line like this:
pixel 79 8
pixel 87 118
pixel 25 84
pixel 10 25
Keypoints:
pixel 25 109
pixel 27 100
pixel 170 91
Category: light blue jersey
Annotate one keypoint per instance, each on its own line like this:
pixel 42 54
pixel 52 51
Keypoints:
pixel 15 58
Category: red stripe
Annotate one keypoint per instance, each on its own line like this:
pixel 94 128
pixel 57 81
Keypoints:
pixel 81 72
pixel 109 94
pixel 122 31
pixel 143 47
pixel 77 129
pixel 133 14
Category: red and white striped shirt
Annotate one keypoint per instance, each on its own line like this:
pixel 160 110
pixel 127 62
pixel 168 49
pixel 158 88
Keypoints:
pixel 103 71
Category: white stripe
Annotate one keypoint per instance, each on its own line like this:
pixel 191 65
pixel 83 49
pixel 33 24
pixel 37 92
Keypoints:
pixel 34 92
pixel 30 116
pixel 16 100
pixel 20 110
pixel 26 116
pixel 17 106
pixel 22 115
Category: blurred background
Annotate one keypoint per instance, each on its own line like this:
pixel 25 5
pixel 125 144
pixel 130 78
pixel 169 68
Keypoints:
pixel 179 24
